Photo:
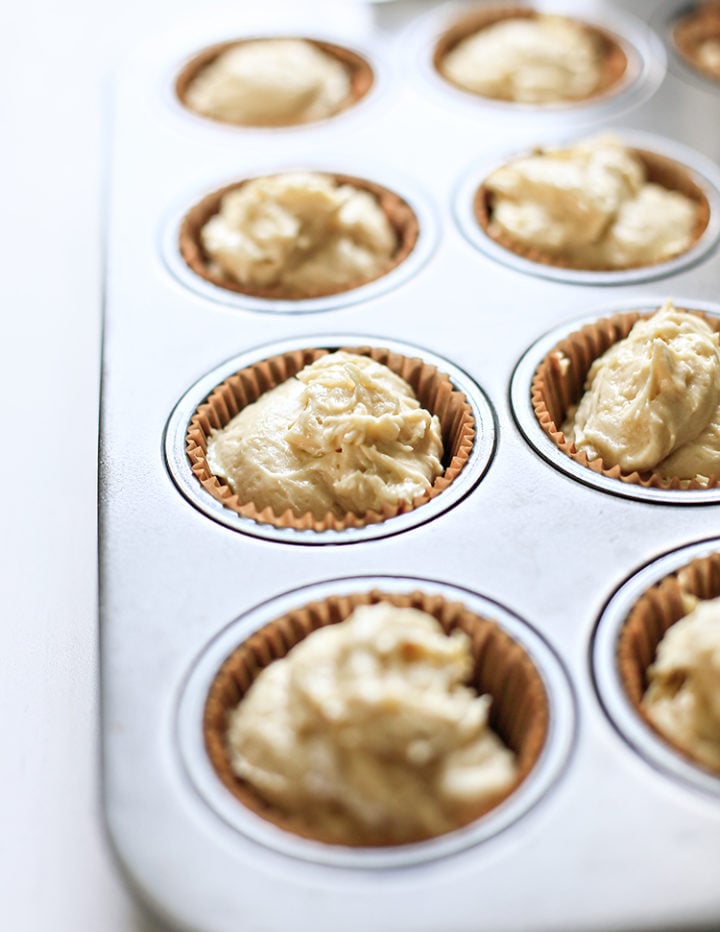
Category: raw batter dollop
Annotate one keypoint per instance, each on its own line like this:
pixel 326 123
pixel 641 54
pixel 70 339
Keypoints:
pixel 708 55
pixel 683 696
pixel 366 728
pixel 270 82
pixel 652 401
pixel 301 232
pixel 345 435
pixel 540 59
pixel 697 35
pixel 590 204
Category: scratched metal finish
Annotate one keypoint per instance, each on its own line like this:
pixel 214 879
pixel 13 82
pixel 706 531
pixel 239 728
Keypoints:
pixel 611 840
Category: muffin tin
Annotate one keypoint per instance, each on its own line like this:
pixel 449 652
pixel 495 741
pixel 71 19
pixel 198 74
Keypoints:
pixel 410 264
pixel 643 50
pixel 702 173
pixel 604 835
pixel 664 20
pixel 552 758
pixel 478 458
pixel 528 422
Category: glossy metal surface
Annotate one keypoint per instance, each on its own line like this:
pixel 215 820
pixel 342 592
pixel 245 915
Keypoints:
pixel 616 842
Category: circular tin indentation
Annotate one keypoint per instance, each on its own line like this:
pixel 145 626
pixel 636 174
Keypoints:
pixel 359 70
pixel 440 500
pixel 609 682
pixel 666 20
pixel 410 215
pixel 701 174
pixel 548 766
pixel 521 388
pixel 643 51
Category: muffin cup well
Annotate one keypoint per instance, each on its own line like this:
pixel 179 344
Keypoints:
pixel 659 170
pixel 651 616
pixel 614 59
pixel 359 70
pixel 502 668
pixel 559 383
pixel 692 30
pixel 400 214
pixel 433 389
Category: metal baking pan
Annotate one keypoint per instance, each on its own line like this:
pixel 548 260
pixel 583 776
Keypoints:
pixel 609 838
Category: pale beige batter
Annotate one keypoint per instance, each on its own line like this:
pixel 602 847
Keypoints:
pixel 708 55
pixel 345 435
pixel 270 82
pixel 366 729
pixel 538 60
pixel 683 696
pixel 299 231
pixel 652 401
pixel 590 204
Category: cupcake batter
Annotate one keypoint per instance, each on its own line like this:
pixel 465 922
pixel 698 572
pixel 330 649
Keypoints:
pixel 300 232
pixel 652 401
pixel 345 435
pixel 365 729
pixel 270 82
pixel 683 696
pixel 708 56
pixel 592 205
pixel 540 59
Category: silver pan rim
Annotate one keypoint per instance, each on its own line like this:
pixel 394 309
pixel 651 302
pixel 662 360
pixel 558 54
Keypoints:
pixel 703 171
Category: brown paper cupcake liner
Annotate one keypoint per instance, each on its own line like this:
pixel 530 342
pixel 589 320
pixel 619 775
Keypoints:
pixel 651 616
pixel 659 170
pixel 433 389
pixel 692 30
pixel 559 383
pixel 360 72
pixel 614 60
pixel 519 713
pixel 397 210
